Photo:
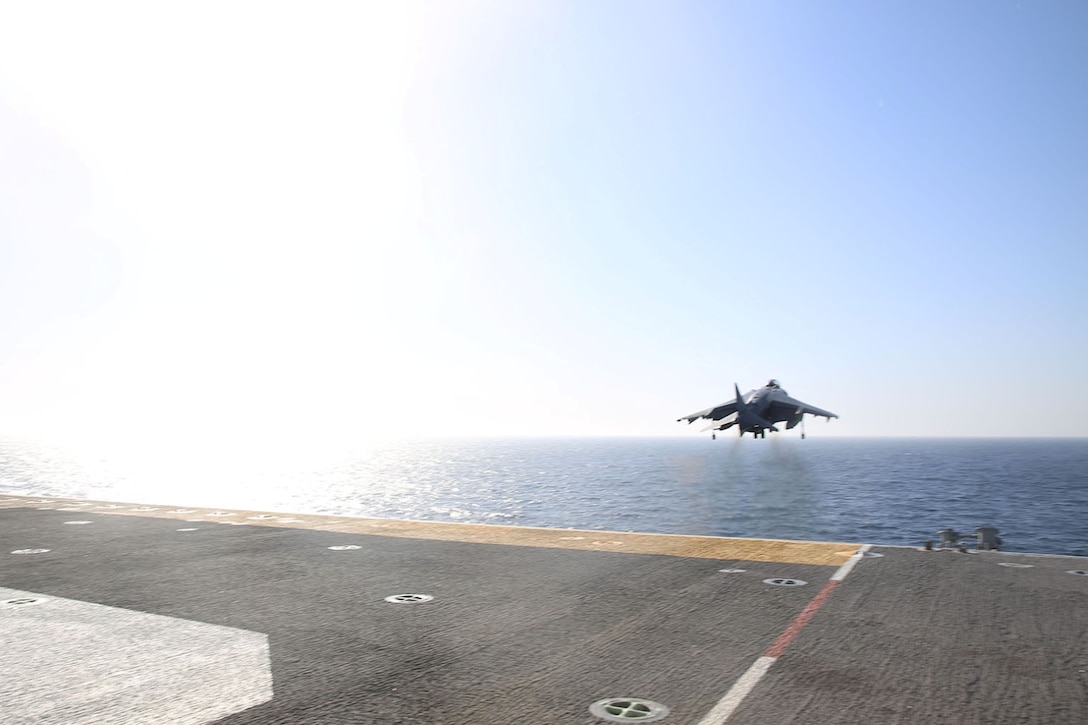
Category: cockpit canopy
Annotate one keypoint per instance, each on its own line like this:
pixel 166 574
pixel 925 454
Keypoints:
pixel 772 383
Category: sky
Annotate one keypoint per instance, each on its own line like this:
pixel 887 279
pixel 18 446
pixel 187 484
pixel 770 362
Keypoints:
pixel 282 224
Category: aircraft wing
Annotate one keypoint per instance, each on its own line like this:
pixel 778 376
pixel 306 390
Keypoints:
pixel 784 407
pixel 716 413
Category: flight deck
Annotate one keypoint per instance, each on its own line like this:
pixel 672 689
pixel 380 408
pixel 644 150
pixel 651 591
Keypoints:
pixel 128 613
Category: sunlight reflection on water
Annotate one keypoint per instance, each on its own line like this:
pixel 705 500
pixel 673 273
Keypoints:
pixel 889 491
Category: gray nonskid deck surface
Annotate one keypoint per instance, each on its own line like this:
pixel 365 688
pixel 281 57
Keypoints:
pixel 514 634
pixel 939 637
pixel 519 634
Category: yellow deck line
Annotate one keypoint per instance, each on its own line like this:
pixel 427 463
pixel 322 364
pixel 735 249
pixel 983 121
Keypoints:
pixel 702 547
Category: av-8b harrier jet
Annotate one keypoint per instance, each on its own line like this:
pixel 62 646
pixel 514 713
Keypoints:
pixel 757 411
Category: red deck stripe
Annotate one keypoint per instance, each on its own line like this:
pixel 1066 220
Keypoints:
pixel 800 621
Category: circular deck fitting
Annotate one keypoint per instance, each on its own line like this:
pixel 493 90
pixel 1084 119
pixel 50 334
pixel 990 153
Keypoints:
pixel 1077 572
pixel 732 571
pixel 1015 565
pixel 22 601
pixel 261 517
pixel 145 508
pixel 30 551
pixel 782 582
pixel 73 523
pixel 409 598
pixel 181 511
pixel 221 513
pixel 626 709
pixel 345 547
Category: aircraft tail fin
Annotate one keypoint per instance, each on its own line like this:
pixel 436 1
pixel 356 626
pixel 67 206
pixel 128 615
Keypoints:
pixel 748 419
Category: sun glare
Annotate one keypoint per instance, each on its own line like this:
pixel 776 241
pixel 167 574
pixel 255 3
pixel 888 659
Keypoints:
pixel 255 177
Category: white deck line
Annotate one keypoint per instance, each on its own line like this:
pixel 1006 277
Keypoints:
pixel 751 677
pixel 848 565
pixel 738 692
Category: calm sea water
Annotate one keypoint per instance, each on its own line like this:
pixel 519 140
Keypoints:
pixel 882 491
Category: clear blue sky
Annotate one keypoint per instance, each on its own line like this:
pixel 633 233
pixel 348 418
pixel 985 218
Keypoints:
pixel 334 221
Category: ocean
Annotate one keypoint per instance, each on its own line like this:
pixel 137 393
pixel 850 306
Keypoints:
pixel 865 490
